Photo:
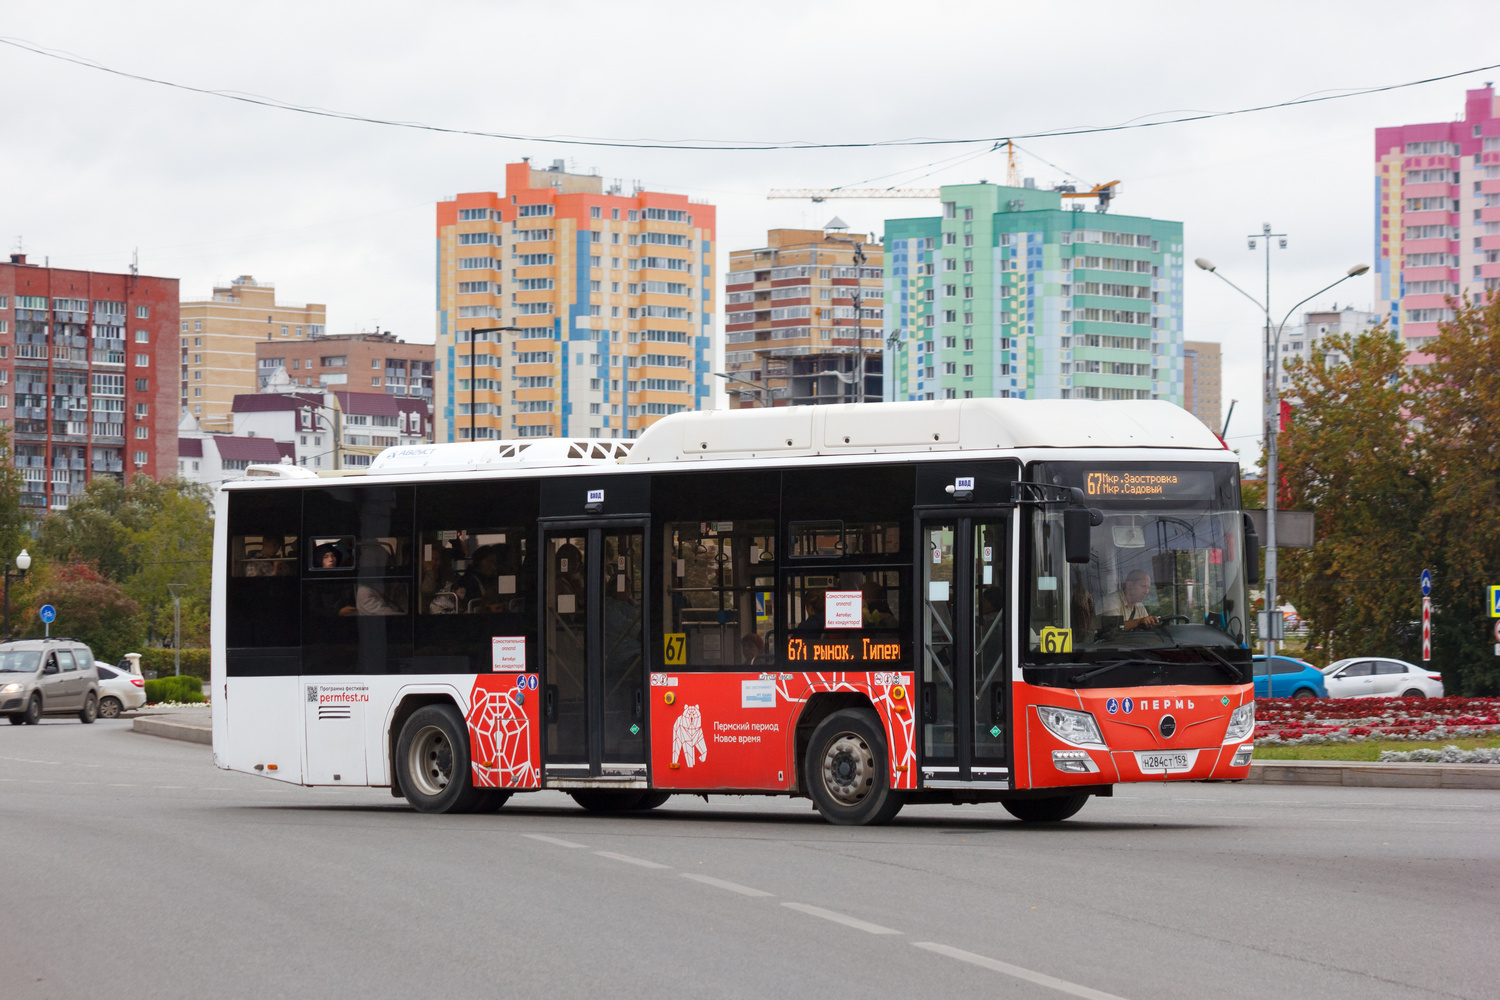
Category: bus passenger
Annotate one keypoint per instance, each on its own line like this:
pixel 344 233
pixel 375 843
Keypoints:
pixel 1125 603
pixel 376 596
pixel 877 606
pixel 752 649
pixel 812 607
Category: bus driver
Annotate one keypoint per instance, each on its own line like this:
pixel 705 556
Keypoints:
pixel 1126 602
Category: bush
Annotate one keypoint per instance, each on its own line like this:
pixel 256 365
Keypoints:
pixel 194 662
pixel 182 688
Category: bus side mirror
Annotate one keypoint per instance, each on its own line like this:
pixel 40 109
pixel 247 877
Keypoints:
pixel 1076 524
pixel 1252 551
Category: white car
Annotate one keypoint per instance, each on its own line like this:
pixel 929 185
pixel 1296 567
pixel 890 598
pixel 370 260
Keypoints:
pixel 119 691
pixel 1380 677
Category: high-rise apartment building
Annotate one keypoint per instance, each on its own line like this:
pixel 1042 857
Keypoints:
pixel 219 338
pixel 1202 382
pixel 1307 338
pixel 90 360
pixel 1010 294
pixel 1437 218
pixel 358 362
pixel 791 331
pixel 611 295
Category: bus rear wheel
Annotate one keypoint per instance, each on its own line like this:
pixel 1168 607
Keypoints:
pixel 848 772
pixel 1049 810
pixel 432 761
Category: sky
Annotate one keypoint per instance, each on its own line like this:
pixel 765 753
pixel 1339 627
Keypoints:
pixel 100 167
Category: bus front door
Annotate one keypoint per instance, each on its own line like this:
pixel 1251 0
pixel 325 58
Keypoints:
pixel 594 646
pixel 965 681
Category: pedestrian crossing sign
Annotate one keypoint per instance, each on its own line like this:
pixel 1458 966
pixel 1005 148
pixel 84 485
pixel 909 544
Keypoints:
pixel 1495 602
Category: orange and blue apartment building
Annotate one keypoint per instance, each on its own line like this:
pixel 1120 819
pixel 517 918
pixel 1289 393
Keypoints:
pixel 608 298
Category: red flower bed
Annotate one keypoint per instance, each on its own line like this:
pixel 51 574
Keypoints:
pixel 1343 718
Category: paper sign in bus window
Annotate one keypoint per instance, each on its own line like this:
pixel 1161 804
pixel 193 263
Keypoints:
pixel 508 652
pixel 841 609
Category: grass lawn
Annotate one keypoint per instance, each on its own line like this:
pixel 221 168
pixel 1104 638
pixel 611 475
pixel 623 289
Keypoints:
pixel 1369 749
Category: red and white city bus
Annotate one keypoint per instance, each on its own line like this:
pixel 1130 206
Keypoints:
pixel 965 601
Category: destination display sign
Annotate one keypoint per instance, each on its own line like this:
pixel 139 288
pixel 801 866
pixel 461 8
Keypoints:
pixel 1147 483
pixel 859 649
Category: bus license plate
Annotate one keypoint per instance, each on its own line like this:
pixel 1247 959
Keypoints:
pixel 1158 762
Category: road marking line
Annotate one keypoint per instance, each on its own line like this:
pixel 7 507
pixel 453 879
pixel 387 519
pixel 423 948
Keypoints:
pixel 121 786
pixel 839 918
pixel 1061 985
pixel 718 883
pixel 629 860
pixel 550 840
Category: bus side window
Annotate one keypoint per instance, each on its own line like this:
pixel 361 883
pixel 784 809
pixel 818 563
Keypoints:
pixel 475 571
pixel 357 587
pixel 721 591
pixel 263 555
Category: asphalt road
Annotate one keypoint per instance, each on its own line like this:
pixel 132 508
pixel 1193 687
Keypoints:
pixel 133 868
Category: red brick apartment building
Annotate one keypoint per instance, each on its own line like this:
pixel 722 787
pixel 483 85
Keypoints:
pixel 88 377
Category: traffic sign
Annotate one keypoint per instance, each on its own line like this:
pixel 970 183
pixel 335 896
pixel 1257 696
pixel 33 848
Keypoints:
pixel 49 614
pixel 1494 593
pixel 1426 629
pixel 1497 631
pixel 1427 583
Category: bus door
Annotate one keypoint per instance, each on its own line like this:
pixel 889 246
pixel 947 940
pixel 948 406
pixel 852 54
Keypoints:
pixel 965 690
pixel 594 680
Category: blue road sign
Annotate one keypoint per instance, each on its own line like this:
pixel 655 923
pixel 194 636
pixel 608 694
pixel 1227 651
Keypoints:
pixel 49 614
pixel 1427 583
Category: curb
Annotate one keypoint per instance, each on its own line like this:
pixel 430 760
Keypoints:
pixel 1360 774
pixel 174 730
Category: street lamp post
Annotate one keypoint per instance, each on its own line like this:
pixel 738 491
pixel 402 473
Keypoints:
pixel 176 628
pixel 764 400
pixel 474 382
pixel 1272 422
pixel 334 430
pixel 23 563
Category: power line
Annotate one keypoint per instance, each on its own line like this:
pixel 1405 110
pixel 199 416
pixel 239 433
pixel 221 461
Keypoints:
pixel 727 145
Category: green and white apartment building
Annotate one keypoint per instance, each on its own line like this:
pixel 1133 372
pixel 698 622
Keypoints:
pixel 1011 294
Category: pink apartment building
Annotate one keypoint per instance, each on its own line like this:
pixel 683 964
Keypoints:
pixel 1437 225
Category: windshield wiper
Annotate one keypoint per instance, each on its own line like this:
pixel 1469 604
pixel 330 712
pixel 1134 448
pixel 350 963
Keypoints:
pixel 1106 668
pixel 1220 662
pixel 1216 661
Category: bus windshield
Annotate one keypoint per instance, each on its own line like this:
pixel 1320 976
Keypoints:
pixel 1161 599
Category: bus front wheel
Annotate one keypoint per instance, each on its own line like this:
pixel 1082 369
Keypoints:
pixel 432 761
pixel 848 771
pixel 1048 810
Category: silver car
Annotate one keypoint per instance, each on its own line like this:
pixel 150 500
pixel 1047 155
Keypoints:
pixel 119 691
pixel 47 677
pixel 1380 677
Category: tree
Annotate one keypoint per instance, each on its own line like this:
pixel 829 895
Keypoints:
pixel 1458 409
pixel 89 607
pixel 143 535
pixel 1349 454
pixel 14 524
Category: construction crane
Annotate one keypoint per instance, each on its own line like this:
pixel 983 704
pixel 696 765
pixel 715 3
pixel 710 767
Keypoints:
pixel 1104 192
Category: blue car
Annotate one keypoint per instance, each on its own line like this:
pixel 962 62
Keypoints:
pixel 1290 678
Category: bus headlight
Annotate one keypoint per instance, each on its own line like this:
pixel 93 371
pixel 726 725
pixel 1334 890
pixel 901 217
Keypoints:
pixel 1079 728
pixel 1241 723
